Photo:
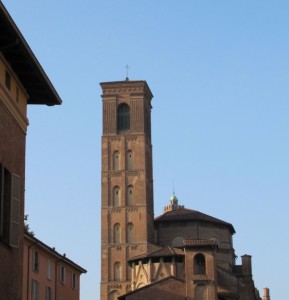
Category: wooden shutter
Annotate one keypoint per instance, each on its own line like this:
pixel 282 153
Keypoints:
pixel 1 199
pixel 14 211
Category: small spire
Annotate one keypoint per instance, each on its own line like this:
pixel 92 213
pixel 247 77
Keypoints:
pixel 174 203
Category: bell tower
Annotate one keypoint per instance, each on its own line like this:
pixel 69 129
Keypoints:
pixel 127 225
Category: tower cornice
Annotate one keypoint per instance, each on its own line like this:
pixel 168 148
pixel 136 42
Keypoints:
pixel 136 87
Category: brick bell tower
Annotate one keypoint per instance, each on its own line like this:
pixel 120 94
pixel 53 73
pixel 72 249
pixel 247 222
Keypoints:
pixel 127 227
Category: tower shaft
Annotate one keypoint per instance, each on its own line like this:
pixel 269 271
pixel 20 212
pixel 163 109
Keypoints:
pixel 126 181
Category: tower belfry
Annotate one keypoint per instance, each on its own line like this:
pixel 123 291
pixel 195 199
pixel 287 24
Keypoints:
pixel 127 182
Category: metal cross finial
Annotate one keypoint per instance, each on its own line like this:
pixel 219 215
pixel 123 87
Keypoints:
pixel 127 67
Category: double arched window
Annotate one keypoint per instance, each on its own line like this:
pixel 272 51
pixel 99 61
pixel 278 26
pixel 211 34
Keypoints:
pixel 123 117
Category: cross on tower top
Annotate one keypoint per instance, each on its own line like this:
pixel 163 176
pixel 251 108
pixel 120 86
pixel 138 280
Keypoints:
pixel 127 67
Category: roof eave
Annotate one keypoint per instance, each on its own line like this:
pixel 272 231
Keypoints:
pixel 22 60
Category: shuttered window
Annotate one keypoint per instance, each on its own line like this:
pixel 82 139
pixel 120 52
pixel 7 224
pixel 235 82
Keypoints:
pixel 35 290
pixel 49 269
pixel 15 211
pixel 48 293
pixel 61 274
pixel 35 261
pixel 73 280
pixel 9 207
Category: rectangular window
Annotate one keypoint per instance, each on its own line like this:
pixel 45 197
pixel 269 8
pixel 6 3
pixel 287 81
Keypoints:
pixel 35 290
pixel 73 280
pixel 48 293
pixel 35 261
pixel 49 269
pixel 62 274
pixel 8 80
pixel 9 207
pixel 15 211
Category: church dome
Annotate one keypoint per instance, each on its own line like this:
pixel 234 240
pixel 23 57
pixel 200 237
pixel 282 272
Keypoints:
pixel 183 214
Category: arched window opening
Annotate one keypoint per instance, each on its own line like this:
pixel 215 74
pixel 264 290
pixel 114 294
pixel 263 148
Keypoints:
pixel 129 160
pixel 117 271
pixel 199 264
pixel 116 160
pixel 116 196
pixel 116 233
pixel 123 117
pixel 129 195
pixel 130 232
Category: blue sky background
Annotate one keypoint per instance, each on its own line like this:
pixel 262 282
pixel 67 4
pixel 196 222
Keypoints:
pixel 219 73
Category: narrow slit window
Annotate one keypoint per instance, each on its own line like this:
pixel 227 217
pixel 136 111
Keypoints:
pixel 117 271
pixel 116 160
pixel 116 233
pixel 116 196
pixel 129 195
pixel 130 232
pixel 129 160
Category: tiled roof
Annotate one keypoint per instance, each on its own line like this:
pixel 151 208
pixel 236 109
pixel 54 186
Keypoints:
pixel 17 52
pixel 164 280
pixel 51 251
pixel 184 214
pixel 162 252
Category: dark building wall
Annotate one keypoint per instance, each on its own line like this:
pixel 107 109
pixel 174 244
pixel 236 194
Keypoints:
pixel 12 157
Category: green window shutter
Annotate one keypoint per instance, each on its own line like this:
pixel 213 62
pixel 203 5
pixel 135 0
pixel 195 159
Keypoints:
pixel 15 211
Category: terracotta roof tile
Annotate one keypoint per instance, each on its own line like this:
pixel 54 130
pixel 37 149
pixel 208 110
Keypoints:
pixel 162 252
pixel 184 214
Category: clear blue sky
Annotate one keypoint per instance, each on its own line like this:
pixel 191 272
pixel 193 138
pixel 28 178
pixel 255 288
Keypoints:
pixel 219 73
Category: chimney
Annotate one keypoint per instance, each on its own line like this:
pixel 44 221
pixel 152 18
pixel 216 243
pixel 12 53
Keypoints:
pixel 247 265
pixel 266 295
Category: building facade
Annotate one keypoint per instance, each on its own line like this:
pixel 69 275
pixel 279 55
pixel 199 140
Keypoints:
pixel 47 274
pixel 182 254
pixel 22 82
